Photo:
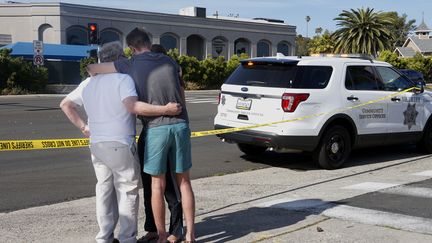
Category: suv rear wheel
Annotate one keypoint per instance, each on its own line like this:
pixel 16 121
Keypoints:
pixel 334 148
pixel 249 149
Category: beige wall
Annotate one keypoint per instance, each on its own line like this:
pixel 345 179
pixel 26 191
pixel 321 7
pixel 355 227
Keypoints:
pixel 25 25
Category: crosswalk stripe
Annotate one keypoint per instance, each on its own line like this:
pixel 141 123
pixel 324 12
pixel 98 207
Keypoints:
pixel 376 217
pixel 356 214
pixel 370 186
pixel 410 191
pixel 426 173
pixel 389 188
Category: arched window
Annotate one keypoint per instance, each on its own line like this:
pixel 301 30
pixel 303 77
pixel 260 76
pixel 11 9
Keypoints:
pixel 110 35
pixel 242 45
pixel 76 35
pixel 284 48
pixel 46 33
pixel 220 47
pixel 169 41
pixel 263 48
pixel 195 46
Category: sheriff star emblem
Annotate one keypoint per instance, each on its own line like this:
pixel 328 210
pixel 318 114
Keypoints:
pixel 410 116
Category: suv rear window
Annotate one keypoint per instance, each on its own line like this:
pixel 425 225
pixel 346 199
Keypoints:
pixel 281 75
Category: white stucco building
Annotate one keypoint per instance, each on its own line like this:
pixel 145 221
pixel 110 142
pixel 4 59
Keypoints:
pixel 192 32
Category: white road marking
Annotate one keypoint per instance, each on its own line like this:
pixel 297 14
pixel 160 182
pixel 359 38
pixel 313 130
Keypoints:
pixel 375 217
pixel 199 100
pixel 370 186
pixel 426 173
pixel 410 191
pixel 356 214
pixel 297 204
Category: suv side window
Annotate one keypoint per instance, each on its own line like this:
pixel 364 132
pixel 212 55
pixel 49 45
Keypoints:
pixel 312 77
pixel 361 78
pixel 392 80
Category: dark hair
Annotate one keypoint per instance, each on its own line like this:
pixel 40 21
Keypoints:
pixel 138 38
pixel 158 49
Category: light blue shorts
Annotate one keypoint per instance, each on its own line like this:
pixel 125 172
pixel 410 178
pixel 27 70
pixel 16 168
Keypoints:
pixel 168 141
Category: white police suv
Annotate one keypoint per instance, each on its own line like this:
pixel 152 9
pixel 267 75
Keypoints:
pixel 342 103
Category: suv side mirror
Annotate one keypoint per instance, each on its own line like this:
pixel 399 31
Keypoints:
pixel 419 87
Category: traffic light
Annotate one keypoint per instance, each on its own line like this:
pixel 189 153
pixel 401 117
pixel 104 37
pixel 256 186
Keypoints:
pixel 93 34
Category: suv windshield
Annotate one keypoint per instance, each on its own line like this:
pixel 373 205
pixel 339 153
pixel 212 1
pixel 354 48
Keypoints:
pixel 280 75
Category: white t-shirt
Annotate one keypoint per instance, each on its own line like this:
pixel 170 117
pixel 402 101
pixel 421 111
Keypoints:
pixel 108 118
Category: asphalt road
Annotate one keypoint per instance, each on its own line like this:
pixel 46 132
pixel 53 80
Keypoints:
pixel 32 178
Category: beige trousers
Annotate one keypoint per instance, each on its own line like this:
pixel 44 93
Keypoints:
pixel 117 171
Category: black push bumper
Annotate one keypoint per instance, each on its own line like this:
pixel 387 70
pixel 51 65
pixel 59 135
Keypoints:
pixel 304 143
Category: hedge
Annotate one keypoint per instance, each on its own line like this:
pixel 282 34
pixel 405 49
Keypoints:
pixel 206 74
pixel 19 76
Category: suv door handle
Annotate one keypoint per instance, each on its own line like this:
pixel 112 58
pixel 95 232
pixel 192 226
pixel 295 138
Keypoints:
pixel 352 98
pixel 396 99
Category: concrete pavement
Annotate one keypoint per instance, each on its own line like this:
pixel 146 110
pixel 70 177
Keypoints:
pixel 267 205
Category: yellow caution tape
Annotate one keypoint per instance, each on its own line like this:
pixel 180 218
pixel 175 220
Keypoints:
pixel 15 145
pixel 237 129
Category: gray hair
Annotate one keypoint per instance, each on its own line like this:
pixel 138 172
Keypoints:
pixel 110 51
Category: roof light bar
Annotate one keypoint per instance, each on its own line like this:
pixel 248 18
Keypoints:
pixel 352 55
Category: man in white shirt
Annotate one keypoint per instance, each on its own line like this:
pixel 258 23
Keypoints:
pixel 109 101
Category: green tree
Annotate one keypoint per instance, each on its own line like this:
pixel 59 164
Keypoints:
pixel 321 43
pixel 362 31
pixel 400 27
pixel 318 30
pixel 128 52
pixel 393 59
pixel 302 45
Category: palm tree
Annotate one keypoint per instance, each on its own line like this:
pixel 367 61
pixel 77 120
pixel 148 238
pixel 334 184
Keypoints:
pixel 318 31
pixel 363 31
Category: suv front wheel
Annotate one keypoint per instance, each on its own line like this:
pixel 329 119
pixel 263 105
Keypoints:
pixel 334 148
pixel 426 143
pixel 249 149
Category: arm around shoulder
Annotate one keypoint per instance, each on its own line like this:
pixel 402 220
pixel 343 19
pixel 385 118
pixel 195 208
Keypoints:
pixel 141 108
pixel 100 68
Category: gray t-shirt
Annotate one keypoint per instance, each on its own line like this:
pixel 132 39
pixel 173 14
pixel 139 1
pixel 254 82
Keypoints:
pixel 156 77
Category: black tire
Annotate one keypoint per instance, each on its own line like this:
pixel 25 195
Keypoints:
pixel 253 150
pixel 425 144
pixel 333 149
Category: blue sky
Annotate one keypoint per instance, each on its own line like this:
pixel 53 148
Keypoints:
pixel 292 12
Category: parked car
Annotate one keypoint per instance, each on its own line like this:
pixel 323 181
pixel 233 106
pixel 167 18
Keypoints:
pixel 333 94
pixel 414 75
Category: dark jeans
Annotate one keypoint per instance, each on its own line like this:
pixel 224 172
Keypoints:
pixel 172 196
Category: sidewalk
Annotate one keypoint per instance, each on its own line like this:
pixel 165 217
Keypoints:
pixel 266 205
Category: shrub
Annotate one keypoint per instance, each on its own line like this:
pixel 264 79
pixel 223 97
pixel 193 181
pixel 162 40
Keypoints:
pixel 19 76
pixel 83 64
